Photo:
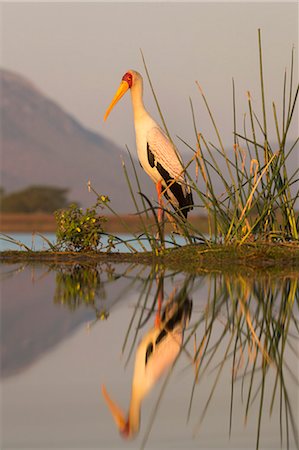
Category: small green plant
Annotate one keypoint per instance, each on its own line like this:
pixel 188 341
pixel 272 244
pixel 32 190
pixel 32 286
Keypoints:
pixel 79 230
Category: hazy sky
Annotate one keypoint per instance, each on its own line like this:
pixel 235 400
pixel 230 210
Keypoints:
pixel 77 53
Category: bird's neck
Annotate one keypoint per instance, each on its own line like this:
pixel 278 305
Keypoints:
pixel 137 100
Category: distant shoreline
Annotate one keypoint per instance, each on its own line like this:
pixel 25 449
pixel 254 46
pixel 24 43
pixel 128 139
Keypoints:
pixel 45 223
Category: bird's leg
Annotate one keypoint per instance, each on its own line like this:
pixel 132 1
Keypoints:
pixel 160 201
pixel 160 233
pixel 158 313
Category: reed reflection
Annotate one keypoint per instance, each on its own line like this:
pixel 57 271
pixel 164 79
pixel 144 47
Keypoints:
pixel 257 329
pixel 244 326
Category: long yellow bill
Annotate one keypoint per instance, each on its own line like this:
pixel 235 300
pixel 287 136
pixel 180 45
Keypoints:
pixel 116 412
pixel 123 87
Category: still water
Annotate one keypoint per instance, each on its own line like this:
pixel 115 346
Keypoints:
pixel 37 242
pixel 122 242
pixel 125 356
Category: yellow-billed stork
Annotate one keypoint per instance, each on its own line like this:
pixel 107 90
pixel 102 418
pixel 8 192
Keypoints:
pixel 156 352
pixel 156 153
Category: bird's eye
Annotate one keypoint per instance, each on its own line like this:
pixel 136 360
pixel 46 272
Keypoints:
pixel 128 78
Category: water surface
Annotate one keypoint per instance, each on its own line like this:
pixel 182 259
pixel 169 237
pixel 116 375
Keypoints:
pixel 39 242
pixel 67 330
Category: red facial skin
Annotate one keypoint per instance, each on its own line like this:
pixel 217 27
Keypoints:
pixel 128 77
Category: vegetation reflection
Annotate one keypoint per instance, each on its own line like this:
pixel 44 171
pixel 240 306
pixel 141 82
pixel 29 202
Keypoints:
pixel 244 325
pixel 82 284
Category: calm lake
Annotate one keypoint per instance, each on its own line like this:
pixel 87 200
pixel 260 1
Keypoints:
pixel 41 242
pixel 211 361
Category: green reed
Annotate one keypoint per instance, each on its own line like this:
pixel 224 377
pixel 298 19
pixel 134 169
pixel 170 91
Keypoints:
pixel 256 203
pixel 5 237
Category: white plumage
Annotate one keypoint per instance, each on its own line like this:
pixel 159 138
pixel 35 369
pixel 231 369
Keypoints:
pixel 156 153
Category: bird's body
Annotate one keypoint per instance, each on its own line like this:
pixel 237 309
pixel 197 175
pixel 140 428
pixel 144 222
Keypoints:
pixel 156 153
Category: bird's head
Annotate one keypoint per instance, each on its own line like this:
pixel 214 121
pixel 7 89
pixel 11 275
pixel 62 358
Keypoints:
pixel 130 79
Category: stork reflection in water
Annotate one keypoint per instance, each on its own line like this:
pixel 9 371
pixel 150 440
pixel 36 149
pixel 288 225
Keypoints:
pixel 156 352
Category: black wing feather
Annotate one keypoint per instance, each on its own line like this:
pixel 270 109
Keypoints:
pixel 150 156
pixel 185 201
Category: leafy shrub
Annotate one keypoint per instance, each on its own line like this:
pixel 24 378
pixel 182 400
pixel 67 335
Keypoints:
pixel 77 229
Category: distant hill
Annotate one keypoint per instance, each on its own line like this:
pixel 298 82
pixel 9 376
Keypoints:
pixel 42 144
